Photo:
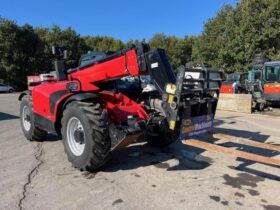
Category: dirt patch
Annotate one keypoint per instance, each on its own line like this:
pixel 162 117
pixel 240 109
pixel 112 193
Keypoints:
pixel 253 192
pixel 88 175
pixel 117 201
pixel 136 175
pixel 239 203
pixel 242 179
pixel 215 198
pixel 225 203
pixel 271 207
pixel 240 195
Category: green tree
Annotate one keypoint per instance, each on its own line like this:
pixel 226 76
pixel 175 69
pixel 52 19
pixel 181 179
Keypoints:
pixel 208 47
pixel 102 43
pixel 232 38
pixel 178 50
pixel 69 40
pixel 18 51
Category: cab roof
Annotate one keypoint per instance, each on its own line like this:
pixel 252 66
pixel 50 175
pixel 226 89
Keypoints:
pixel 272 63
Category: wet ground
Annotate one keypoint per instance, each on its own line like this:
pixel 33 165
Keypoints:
pixel 37 175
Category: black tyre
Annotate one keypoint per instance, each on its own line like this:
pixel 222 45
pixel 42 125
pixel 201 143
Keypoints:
pixel 30 131
pixel 260 106
pixel 11 90
pixel 85 135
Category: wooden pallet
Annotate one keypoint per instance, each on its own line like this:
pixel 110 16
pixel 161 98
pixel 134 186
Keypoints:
pixel 237 153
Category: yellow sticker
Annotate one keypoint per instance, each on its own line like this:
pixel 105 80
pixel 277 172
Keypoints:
pixel 172 124
pixel 170 88
pixel 170 99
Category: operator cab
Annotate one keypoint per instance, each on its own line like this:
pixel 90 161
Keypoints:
pixel 131 86
pixel 92 57
pixel 272 72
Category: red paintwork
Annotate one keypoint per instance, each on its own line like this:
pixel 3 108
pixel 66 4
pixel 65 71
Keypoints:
pixel 272 88
pixel 117 105
pixel 121 66
pixel 32 79
pixel 228 89
pixel 41 95
pixel 120 106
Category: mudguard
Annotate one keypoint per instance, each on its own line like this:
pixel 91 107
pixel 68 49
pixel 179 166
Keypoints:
pixel 80 97
pixel 26 92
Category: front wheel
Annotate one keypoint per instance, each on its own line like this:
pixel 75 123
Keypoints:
pixel 260 106
pixel 85 135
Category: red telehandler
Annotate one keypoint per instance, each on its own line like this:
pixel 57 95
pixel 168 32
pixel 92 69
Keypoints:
pixel 103 105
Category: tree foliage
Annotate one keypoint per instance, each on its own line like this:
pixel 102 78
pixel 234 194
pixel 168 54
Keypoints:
pixel 229 41
pixel 232 38
pixel 25 50
pixel 178 50
pixel 18 52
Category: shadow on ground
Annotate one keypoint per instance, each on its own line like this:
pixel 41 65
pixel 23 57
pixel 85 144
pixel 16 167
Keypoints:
pixel 6 116
pixel 253 136
pixel 51 137
pixel 139 155
pixel 189 158
pixel 185 157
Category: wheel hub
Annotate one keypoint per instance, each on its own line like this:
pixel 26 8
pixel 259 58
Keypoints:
pixel 26 120
pixel 75 136
pixel 79 136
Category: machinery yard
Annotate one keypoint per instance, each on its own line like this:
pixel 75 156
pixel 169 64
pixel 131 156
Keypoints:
pixel 38 175
pixel 106 107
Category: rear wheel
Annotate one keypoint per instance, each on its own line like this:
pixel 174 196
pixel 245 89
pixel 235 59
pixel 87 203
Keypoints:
pixel 85 135
pixel 260 106
pixel 30 131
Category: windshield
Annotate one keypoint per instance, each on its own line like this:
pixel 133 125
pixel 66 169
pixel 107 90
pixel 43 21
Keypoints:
pixel 91 58
pixel 233 77
pixel 128 83
pixel 272 73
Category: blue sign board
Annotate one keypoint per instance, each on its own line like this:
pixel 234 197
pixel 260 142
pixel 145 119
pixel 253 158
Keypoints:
pixel 196 126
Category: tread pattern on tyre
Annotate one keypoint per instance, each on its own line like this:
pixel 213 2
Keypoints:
pixel 98 121
pixel 36 133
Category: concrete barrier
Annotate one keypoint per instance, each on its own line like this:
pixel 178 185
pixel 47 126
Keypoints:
pixel 235 102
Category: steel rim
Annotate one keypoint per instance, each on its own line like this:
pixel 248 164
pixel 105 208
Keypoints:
pixel 26 118
pixel 77 148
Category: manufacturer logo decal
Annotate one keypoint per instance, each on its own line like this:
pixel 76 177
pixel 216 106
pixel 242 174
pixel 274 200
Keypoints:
pixel 154 65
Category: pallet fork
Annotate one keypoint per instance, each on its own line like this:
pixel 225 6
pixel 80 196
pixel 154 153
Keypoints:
pixel 237 153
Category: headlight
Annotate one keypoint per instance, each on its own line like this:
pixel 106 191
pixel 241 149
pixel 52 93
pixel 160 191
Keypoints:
pixel 72 86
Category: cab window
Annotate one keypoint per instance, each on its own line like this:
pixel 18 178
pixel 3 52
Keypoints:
pixel 272 73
